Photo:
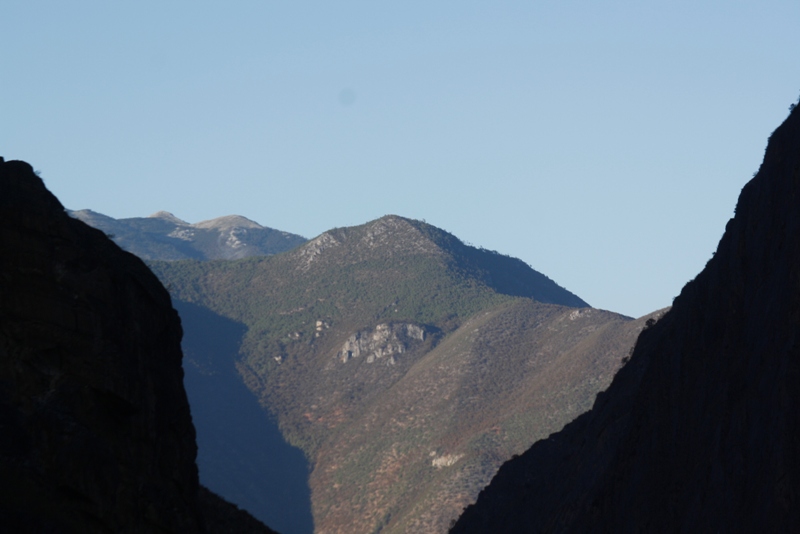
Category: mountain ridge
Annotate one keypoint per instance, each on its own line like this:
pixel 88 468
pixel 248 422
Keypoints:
pixel 396 235
pixel 162 235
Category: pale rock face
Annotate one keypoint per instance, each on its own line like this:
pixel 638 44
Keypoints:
pixel 184 234
pixel 446 461
pixel 233 240
pixel 384 340
pixel 581 312
pixel 315 247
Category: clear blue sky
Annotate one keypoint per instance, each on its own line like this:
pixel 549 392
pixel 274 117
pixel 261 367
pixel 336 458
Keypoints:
pixel 604 143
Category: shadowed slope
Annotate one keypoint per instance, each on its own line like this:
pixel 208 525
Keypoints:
pixel 242 454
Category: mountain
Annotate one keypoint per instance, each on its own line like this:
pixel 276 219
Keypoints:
pixel 405 364
pixel 95 430
pixel 166 237
pixel 700 431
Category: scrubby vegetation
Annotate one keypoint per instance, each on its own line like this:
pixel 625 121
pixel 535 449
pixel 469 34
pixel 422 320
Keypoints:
pixel 401 442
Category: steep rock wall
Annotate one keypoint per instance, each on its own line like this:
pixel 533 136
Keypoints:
pixel 700 431
pixel 95 430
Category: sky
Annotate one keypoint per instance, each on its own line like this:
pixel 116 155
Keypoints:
pixel 603 143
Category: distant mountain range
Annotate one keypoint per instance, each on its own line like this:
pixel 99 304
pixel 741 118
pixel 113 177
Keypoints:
pixel 164 236
pixel 405 364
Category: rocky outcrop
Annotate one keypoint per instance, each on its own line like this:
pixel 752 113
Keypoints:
pixel 700 431
pixel 382 341
pixel 95 429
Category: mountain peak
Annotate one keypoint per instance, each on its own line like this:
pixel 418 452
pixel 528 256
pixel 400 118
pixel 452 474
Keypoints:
pixel 390 236
pixel 167 216
pixel 228 221
pixel 163 236
pixel 393 239
pixel 397 232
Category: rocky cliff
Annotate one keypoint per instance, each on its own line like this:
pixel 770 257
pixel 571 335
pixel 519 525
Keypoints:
pixel 700 431
pixel 95 430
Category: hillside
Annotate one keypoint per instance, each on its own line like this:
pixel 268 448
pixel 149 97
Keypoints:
pixel 700 431
pixel 96 431
pixel 406 365
pixel 166 237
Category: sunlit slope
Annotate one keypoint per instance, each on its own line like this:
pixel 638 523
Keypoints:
pixel 422 449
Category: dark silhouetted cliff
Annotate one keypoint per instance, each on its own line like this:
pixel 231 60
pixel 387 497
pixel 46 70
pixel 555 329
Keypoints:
pixel 700 431
pixel 95 430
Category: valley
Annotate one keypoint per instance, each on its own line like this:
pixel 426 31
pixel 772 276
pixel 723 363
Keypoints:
pixel 384 377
